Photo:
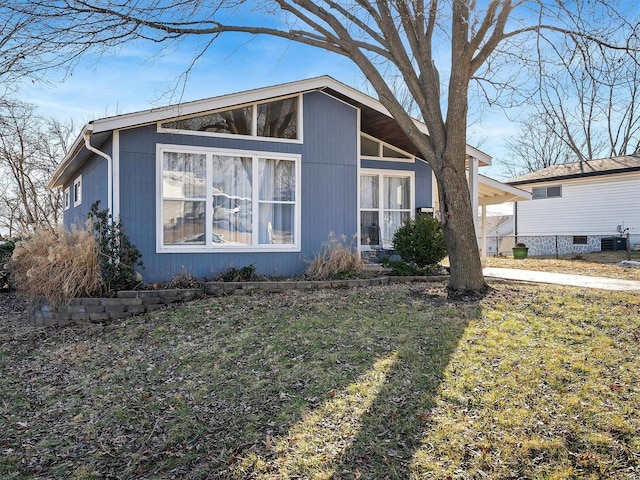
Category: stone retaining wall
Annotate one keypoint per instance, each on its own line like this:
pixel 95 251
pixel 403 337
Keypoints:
pixel 96 309
pixel 132 302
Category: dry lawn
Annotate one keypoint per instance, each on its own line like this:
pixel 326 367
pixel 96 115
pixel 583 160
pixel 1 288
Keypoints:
pixel 599 264
pixel 394 382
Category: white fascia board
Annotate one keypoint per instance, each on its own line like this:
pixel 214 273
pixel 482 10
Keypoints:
pixel 498 192
pixel 157 114
pixel 483 158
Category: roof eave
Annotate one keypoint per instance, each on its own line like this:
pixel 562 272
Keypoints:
pixel 75 149
pixel 574 176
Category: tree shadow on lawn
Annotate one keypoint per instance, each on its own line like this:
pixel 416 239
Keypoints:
pixel 299 385
pixel 373 426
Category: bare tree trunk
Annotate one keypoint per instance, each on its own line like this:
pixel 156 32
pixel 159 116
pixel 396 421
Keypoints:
pixel 459 232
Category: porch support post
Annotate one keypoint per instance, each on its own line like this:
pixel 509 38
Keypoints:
pixel 484 233
pixel 473 189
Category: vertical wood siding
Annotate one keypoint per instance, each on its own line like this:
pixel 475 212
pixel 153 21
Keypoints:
pixel 328 186
pixel 94 187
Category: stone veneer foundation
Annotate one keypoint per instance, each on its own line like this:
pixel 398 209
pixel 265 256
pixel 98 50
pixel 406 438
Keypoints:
pixel 559 244
pixel 133 302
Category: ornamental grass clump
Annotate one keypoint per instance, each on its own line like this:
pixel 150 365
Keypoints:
pixel 336 259
pixel 57 265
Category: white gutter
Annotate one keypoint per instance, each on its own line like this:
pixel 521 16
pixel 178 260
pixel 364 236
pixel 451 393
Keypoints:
pixel 87 144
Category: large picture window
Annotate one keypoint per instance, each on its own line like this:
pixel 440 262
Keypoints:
pixel 225 199
pixel 386 203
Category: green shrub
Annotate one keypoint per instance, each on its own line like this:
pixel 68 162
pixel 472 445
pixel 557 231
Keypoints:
pixel 6 250
pixel 402 268
pixel 7 246
pixel 420 241
pixel 119 258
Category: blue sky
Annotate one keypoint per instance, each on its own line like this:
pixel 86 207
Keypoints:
pixel 137 78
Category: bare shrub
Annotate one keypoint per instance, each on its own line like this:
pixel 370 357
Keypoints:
pixel 57 265
pixel 336 259
pixel 184 280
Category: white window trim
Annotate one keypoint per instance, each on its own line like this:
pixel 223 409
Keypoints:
pixel 77 192
pixel 387 173
pixel 221 248
pixel 381 144
pixel 546 190
pixel 66 198
pixel 254 122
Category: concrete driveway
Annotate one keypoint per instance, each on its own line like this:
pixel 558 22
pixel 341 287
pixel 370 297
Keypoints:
pixel 562 279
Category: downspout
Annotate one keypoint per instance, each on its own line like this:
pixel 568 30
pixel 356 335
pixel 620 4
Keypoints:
pixel 87 144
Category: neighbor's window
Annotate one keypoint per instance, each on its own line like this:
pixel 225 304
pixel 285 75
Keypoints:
pixel 273 119
pixel 66 198
pixel 77 191
pixel 248 199
pixel 386 203
pixel 546 192
pixel 580 240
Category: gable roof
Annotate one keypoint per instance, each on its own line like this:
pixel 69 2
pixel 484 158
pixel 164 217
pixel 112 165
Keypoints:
pixel 375 119
pixel 592 168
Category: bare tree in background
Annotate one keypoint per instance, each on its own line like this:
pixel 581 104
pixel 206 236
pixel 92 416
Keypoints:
pixel 434 46
pixel 30 149
pixel 536 146
pixel 587 106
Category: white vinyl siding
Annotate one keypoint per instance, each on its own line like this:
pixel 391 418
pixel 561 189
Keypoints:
pixel 588 206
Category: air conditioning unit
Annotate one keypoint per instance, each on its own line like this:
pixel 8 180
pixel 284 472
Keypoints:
pixel 613 244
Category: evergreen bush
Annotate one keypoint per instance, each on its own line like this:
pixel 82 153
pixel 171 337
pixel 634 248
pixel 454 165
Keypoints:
pixel 420 242
pixel 119 258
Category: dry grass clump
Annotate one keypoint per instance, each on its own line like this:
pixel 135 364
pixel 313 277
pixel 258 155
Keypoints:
pixel 57 265
pixel 335 259
pixel 184 280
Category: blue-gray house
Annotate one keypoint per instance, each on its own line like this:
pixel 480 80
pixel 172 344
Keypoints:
pixel 260 177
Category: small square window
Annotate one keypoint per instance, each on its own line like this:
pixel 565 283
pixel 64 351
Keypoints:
pixel 77 191
pixel 580 240
pixel 66 198
pixel 554 191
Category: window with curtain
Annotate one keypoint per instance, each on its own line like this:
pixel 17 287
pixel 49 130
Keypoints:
pixel 385 205
pixel 248 200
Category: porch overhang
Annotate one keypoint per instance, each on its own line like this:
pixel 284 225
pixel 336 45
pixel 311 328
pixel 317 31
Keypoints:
pixel 493 192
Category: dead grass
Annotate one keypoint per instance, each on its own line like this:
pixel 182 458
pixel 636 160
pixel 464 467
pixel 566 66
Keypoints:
pixel 336 258
pixel 599 264
pixel 389 382
pixel 57 265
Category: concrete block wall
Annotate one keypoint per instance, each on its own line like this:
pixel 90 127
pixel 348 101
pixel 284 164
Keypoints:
pixel 134 302
pixel 96 310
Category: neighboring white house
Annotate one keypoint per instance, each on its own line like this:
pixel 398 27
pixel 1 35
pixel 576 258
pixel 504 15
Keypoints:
pixel 580 207
pixel 499 235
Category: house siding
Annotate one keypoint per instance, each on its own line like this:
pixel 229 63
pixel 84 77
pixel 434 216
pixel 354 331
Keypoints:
pixel 591 207
pixel 328 189
pixel 329 184
pixel 94 187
